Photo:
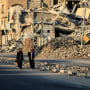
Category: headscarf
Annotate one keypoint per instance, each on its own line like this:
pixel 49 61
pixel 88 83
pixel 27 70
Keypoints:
pixel 20 51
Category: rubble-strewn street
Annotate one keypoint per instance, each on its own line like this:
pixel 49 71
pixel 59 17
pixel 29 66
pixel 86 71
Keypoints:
pixel 13 79
pixel 55 31
pixel 67 67
pixel 52 34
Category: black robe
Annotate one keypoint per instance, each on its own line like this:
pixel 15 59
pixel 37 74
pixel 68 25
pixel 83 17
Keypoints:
pixel 19 59
pixel 29 55
pixel 31 61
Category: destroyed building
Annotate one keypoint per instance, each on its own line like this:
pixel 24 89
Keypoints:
pixel 39 26
pixel 4 5
pixel 18 19
pixel 46 27
pixel 46 3
pixel 48 33
pixel 15 19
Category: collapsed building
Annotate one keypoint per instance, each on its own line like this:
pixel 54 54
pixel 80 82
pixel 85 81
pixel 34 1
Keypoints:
pixel 4 5
pixel 39 26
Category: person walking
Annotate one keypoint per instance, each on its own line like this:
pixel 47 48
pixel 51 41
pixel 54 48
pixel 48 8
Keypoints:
pixel 32 59
pixel 29 55
pixel 19 58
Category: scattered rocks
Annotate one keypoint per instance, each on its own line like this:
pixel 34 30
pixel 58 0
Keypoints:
pixel 56 68
pixel 81 74
pixel 88 74
pixel 12 45
pixel 64 47
pixel 63 69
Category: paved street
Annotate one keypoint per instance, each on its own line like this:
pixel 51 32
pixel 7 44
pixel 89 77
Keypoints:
pixel 27 79
pixel 69 62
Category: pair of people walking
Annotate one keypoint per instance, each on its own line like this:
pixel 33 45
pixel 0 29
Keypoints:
pixel 20 58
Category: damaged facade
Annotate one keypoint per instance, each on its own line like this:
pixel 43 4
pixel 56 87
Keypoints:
pixel 46 3
pixel 4 5
pixel 29 23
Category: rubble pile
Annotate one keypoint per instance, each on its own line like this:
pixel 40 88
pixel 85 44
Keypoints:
pixel 12 45
pixel 64 47
pixel 58 21
pixel 78 32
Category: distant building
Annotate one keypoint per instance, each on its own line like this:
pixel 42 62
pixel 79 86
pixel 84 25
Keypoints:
pixel 49 3
pixel 4 5
pixel 34 3
pixel 71 3
pixel 38 3
pixel 48 34
pixel 47 27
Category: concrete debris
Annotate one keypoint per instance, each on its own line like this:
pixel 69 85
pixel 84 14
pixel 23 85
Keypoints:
pixel 53 67
pixel 80 13
pixel 12 45
pixel 64 47
pixel 88 74
pixel 63 69
pixel 59 25
pixel 64 9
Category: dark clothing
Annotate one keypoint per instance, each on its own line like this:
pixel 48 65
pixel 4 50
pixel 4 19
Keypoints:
pixel 31 60
pixel 20 64
pixel 33 55
pixel 32 63
pixel 29 55
pixel 19 59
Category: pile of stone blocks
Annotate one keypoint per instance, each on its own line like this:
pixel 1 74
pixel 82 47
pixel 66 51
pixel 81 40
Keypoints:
pixel 11 46
pixel 63 69
pixel 62 48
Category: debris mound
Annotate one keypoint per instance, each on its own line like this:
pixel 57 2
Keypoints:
pixel 12 46
pixel 62 48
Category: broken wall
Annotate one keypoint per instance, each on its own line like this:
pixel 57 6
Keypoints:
pixel 4 39
pixel 80 13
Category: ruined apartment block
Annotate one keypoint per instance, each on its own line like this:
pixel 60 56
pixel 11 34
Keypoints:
pixel 38 3
pixel 4 5
pixel 16 19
